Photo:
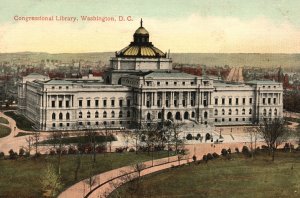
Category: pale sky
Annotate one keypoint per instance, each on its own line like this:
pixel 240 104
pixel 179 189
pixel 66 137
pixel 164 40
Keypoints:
pixel 200 26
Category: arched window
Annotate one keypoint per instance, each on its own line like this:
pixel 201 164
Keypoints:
pixel 186 115
pixel 223 111
pixel 96 114
pixel 104 114
pixel 88 115
pixel 53 116
pixel 236 112
pixel 243 111
pixel 169 115
pixel 119 81
pixel 120 114
pixel 229 112
pixel 148 116
pixel 159 115
pixel 128 114
pixel 250 111
pixel 265 112
pixel 193 114
pixel 275 112
pixel 177 116
pixel 68 116
pixel 112 114
pixel 80 114
pixel 205 115
pixel 216 112
pixel 60 116
pixel 270 112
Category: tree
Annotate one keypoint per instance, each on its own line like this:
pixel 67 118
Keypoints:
pixel 29 141
pixel 274 133
pixel 36 138
pixel 253 133
pixel 50 181
pixel 175 131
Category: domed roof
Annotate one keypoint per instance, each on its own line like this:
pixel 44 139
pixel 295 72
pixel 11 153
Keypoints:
pixel 141 30
pixel 141 47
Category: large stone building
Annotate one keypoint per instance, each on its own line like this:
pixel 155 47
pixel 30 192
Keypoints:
pixel 141 86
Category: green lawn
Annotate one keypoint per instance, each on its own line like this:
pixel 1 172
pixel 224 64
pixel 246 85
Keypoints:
pixel 4 131
pixel 239 177
pixel 22 122
pixel 21 178
pixel 3 120
pixel 81 139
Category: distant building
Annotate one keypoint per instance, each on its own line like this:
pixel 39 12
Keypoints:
pixel 141 87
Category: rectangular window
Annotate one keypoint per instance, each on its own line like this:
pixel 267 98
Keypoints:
pixel 80 103
pixel 120 103
pixel 53 104
pixel 67 103
pixel 237 101
pixel 274 100
pixel 128 103
pixel 158 83
pixel 88 103
pixel 158 103
pixel 183 103
pixel 216 101
pixel 104 103
pixel 112 103
pixel 60 103
pixel 223 101
pixel 96 103
pixel 264 101
pixel 269 100
pixel 244 101
pixel 230 101
pixel 250 100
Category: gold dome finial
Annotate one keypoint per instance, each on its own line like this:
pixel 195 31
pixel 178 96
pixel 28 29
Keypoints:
pixel 141 22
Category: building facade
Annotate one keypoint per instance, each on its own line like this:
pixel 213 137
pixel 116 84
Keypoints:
pixel 141 87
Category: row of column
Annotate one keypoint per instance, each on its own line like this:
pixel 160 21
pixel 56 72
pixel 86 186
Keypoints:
pixel 65 98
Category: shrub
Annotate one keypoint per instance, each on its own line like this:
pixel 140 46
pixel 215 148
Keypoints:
pixel 37 155
pixel 101 149
pixel 264 147
pixel 52 152
pixel 131 150
pixel 210 156
pixel 194 158
pixel 215 155
pixel 189 136
pixel 229 151
pixel 204 158
pixel 27 154
pixel 120 149
pixel 237 150
pixel 224 152
pixel 12 154
pixel 246 151
pixel 72 150
pixel 1 155
pixel 21 152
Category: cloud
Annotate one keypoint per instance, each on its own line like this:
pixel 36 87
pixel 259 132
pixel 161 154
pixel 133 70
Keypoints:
pixel 192 34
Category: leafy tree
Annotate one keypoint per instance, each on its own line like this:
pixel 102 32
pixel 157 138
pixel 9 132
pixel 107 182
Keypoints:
pixel 50 181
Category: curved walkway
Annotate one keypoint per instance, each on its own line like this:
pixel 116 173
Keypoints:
pixel 103 184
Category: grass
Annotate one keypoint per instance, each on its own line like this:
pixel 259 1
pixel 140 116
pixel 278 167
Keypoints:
pixel 239 177
pixel 3 120
pixel 22 122
pixel 4 131
pixel 80 139
pixel 21 178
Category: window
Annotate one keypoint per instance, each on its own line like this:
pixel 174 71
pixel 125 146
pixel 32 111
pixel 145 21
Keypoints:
pixel 59 87
pixel 250 111
pixel 67 87
pixel 128 114
pixel 158 103
pixel 265 112
pixel 223 119
pixel 68 116
pixel 97 123
pixel 250 100
pixel 193 114
pixel 80 123
pixel 120 103
pixel 236 119
pixel 112 103
pixel 96 103
pixel 88 123
pixel 230 101
pixel 104 114
pixel 68 124
pixel 216 101
pixel 53 104
pixel 243 112
pixel 264 101
pixel 216 120
pixel 236 101
pixel 60 103
pixel 229 119
pixel 275 112
pixel 229 112
pixel 112 122
pixel 244 101
pixel 60 116
pixel 53 87
pixel 167 83
pixel 53 116
pixel 192 83
pixel 67 103
pixel 244 119
pixel 104 103
pixel 128 102
pixel 223 101
pixel 60 124
pixel 96 114
pixel 269 100
pixel 80 103
pixel 158 83
pixel 223 111
pixel 274 101
pixel 159 115
pixel 112 114
pixel 120 114
pixel 175 83
pixel 216 112
pixel 236 112
pixel 183 83
pixel 88 103
pixel 88 115
pixel 80 115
